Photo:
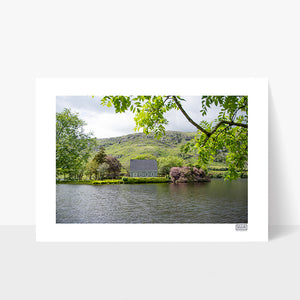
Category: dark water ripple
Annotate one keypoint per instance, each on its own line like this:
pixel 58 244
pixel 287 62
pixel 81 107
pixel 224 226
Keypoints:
pixel 214 202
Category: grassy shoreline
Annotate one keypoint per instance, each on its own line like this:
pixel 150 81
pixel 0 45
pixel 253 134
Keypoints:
pixel 213 171
pixel 124 180
pixel 131 181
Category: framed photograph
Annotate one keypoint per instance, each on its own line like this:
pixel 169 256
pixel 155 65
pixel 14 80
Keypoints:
pixel 151 159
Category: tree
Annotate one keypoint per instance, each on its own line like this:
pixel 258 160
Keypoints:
pixel 166 163
pixel 91 169
pixel 229 131
pixel 96 165
pixel 114 166
pixel 99 158
pixel 73 145
pixel 102 169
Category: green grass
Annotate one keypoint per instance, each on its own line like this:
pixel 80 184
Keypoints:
pixel 89 182
pixel 74 181
pixel 108 181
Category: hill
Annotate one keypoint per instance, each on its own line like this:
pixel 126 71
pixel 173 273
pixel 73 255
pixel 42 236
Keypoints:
pixel 129 146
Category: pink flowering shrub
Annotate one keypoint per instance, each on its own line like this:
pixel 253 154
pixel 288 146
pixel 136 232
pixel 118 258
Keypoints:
pixel 187 174
pixel 175 173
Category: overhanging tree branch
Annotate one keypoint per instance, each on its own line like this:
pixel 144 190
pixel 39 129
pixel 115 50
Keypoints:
pixel 230 123
pixel 188 117
pixel 207 133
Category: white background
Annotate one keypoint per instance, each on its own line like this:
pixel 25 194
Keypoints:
pixel 48 230
pixel 144 39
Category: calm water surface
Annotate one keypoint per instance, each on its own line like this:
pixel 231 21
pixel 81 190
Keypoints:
pixel 215 202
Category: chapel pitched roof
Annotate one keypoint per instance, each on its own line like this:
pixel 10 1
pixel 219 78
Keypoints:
pixel 143 165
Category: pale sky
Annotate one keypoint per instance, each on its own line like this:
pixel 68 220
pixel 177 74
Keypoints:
pixel 104 122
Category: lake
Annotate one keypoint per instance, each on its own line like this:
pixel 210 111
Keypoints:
pixel 217 201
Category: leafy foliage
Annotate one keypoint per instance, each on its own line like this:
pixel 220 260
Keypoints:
pixel 91 169
pixel 149 111
pixel 97 166
pixel 228 132
pixel 99 158
pixel 166 163
pixel 103 169
pixel 73 145
pixel 114 166
pixel 103 165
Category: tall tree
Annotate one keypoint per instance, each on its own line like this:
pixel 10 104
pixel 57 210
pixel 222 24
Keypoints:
pixel 91 169
pixel 229 131
pixel 96 166
pixel 114 166
pixel 102 170
pixel 73 145
pixel 99 158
